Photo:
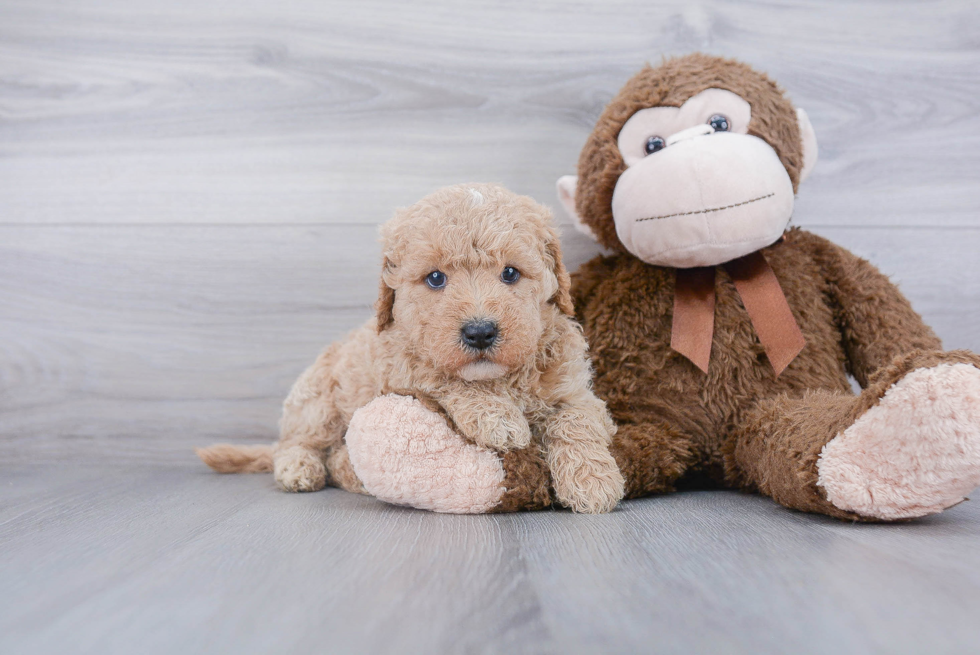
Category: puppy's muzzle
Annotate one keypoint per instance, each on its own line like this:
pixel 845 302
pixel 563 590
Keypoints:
pixel 479 335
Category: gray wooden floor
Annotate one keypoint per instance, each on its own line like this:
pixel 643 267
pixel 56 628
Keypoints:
pixel 99 558
pixel 189 196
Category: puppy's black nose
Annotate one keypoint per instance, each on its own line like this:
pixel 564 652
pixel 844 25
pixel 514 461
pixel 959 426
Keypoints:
pixel 479 334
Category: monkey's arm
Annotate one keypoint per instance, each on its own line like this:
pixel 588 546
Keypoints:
pixel 876 321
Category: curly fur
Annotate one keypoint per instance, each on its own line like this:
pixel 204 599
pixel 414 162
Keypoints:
pixel 538 392
pixel 738 425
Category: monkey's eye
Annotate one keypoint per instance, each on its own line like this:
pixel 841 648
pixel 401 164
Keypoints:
pixel 719 122
pixel 436 280
pixel 654 144
pixel 510 275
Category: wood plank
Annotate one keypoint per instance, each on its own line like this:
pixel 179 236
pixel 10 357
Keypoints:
pixel 128 112
pixel 149 536
pixel 123 559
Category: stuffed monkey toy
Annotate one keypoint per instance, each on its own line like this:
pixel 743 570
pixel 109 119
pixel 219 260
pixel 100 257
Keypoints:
pixel 722 340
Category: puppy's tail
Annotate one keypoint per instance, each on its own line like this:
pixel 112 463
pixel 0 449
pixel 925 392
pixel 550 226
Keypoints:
pixel 226 458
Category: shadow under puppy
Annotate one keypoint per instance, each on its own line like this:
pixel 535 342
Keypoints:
pixel 474 321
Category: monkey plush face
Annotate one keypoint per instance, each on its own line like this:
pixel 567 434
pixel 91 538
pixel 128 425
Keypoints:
pixel 694 163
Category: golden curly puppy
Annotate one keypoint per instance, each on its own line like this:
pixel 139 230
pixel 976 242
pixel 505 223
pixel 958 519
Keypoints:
pixel 474 320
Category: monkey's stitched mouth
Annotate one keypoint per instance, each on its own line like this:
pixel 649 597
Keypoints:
pixel 706 211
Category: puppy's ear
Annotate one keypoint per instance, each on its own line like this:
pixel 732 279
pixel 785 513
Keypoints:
pixel 563 296
pixel 385 307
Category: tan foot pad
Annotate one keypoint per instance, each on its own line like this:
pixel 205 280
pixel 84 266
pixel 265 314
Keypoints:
pixel 915 453
pixel 407 455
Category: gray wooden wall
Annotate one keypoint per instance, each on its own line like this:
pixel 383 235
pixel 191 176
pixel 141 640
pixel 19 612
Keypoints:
pixel 189 190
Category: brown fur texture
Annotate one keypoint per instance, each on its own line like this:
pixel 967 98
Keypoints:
pixel 669 85
pixel 738 425
pixel 527 481
pixel 530 391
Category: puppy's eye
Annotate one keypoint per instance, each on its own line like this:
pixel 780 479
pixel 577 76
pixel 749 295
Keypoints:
pixel 436 279
pixel 510 275
pixel 719 123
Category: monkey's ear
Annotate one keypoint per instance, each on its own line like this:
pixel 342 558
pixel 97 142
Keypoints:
pixel 563 295
pixel 809 138
pixel 385 306
pixel 566 186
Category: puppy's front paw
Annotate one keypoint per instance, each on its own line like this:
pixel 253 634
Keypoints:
pixel 586 480
pixel 299 469
pixel 503 431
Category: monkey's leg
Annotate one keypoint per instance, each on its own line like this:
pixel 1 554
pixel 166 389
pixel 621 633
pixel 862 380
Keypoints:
pixel 406 454
pixel 651 457
pixel 908 446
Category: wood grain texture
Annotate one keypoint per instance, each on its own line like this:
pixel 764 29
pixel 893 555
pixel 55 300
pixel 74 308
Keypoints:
pixel 189 195
pixel 121 560
pixel 245 112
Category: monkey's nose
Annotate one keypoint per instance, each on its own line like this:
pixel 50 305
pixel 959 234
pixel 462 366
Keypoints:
pixel 689 133
pixel 479 334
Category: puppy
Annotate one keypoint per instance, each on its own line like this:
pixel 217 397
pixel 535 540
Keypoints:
pixel 474 319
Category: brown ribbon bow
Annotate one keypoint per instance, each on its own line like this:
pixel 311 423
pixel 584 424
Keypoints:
pixel 763 298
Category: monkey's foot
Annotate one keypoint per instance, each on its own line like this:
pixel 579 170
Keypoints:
pixel 916 452
pixel 407 455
